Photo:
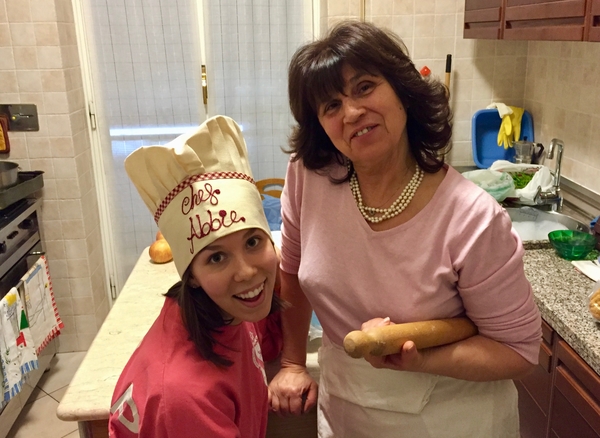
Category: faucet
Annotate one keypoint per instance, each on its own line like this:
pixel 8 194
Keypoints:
pixel 552 197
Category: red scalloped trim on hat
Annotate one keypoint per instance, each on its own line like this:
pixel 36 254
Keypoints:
pixel 195 178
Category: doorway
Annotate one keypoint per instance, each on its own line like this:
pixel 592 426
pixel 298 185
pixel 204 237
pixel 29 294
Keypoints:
pixel 144 86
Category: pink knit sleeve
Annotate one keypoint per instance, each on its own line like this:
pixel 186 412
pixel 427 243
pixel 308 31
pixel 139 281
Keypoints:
pixel 495 291
pixel 291 203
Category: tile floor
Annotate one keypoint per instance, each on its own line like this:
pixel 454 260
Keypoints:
pixel 38 417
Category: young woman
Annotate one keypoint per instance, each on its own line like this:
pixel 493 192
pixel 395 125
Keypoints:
pixel 200 369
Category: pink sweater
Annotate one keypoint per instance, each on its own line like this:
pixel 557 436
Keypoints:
pixel 458 256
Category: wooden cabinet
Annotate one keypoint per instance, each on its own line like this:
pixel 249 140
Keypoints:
pixel 561 398
pixel 558 20
pixel 575 397
pixel 483 19
pixel 593 21
pixel 547 20
pixel 535 390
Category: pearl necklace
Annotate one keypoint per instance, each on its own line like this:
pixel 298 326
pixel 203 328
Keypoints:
pixel 376 215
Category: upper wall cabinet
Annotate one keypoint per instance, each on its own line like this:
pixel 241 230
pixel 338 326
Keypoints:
pixel 593 21
pixel 483 19
pixel 546 20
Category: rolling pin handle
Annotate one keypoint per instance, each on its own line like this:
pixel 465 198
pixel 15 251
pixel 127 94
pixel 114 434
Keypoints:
pixel 355 342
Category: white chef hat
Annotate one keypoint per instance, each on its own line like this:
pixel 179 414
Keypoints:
pixel 199 187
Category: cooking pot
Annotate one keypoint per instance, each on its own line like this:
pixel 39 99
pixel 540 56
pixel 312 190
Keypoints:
pixel 9 174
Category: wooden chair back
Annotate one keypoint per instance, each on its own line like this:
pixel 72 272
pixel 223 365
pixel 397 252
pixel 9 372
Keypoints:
pixel 270 186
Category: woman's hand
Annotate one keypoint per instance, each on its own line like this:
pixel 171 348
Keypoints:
pixel 292 391
pixel 409 358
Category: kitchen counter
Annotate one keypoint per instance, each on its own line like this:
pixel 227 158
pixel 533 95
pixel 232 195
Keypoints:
pixel 89 394
pixel 560 292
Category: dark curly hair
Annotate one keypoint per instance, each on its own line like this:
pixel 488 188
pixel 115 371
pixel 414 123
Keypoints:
pixel 203 318
pixel 315 75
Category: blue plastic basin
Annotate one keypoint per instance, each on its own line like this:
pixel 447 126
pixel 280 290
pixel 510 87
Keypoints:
pixel 484 137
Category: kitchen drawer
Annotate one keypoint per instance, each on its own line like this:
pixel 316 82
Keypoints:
pixel 567 358
pixel 575 404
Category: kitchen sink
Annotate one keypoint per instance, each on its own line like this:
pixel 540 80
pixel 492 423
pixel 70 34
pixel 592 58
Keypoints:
pixel 534 224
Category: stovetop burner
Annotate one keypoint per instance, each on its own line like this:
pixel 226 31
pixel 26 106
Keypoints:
pixel 19 231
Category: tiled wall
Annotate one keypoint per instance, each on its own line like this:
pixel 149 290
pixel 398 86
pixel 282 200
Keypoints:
pixel 556 82
pixel 563 91
pixel 39 64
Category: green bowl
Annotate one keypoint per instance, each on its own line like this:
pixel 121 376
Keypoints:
pixel 571 244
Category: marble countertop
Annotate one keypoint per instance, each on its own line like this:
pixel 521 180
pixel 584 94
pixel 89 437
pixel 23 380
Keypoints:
pixel 90 392
pixel 560 292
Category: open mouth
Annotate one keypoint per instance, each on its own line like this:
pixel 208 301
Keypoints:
pixel 253 295
pixel 363 131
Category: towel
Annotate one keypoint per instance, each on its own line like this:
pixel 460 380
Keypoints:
pixel 589 268
pixel 510 128
pixel 272 207
pixel 17 350
pixel 503 110
pixel 44 319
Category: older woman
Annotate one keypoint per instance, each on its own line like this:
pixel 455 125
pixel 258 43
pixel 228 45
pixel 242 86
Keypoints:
pixel 378 229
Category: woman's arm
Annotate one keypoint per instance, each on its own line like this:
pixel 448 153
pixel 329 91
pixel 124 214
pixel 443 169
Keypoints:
pixel 477 359
pixel 293 390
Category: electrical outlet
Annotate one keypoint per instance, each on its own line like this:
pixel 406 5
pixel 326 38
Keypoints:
pixel 21 117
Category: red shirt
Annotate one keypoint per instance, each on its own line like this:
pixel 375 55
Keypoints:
pixel 168 390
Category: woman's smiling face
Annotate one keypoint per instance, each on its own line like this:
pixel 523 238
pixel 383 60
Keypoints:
pixel 238 273
pixel 367 122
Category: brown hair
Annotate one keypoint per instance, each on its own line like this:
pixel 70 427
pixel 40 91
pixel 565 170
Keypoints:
pixel 315 75
pixel 202 317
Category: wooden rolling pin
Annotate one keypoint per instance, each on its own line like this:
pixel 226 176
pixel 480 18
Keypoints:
pixel 381 341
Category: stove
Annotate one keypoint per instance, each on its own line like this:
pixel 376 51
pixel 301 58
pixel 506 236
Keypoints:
pixel 20 240
pixel 20 249
pixel 19 232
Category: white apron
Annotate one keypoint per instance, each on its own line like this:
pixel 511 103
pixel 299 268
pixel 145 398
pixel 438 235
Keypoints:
pixel 357 400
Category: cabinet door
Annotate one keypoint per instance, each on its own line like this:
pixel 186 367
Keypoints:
pixel 550 20
pixel 593 21
pixel 534 391
pixel 575 410
pixel 483 19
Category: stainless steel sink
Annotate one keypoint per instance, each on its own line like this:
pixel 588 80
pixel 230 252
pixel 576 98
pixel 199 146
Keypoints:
pixel 534 224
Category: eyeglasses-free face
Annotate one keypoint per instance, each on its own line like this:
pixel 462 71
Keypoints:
pixel 367 122
pixel 238 273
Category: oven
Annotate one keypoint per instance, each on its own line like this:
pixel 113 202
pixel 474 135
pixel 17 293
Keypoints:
pixel 20 242
pixel 20 248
